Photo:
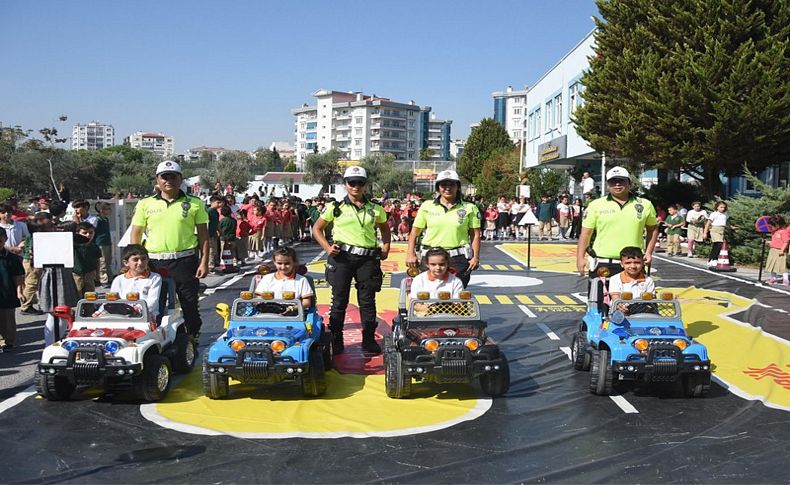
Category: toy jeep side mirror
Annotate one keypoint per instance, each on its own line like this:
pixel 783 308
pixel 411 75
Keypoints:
pixel 223 310
pixel 64 312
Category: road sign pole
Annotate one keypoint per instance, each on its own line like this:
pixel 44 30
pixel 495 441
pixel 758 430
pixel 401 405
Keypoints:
pixel 762 260
pixel 529 246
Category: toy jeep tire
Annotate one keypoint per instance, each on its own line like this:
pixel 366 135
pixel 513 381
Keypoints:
pixel 579 355
pixel 215 386
pixel 314 382
pixel 185 355
pixel 497 383
pixel 396 381
pixel 694 386
pixel 154 382
pixel 54 388
pixel 600 373
pixel 326 348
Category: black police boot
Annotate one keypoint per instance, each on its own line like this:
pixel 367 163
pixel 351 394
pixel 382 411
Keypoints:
pixel 337 343
pixel 369 343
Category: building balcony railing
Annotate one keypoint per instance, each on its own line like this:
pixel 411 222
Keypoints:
pixel 343 127
pixel 342 117
pixel 343 138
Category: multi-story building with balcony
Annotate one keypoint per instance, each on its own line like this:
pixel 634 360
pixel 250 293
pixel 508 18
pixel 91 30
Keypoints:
pixel 92 136
pixel 358 125
pixel 435 135
pixel 510 111
pixel 158 143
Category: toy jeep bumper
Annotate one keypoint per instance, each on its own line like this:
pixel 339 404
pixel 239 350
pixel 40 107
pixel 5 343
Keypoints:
pixel 449 364
pixel 257 366
pixel 89 365
pixel 661 363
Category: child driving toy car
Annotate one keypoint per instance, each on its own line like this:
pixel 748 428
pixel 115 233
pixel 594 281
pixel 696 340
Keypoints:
pixel 139 279
pixel 286 279
pixel 632 279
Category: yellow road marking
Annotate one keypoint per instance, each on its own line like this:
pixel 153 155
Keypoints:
pixel 517 267
pixel 486 266
pixel 525 299
pixel 483 300
pixel 503 299
pixel 566 299
pixel 545 299
pixel 501 266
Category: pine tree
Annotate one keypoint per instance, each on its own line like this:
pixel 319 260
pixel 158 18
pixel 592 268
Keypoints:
pixel 699 86
pixel 484 140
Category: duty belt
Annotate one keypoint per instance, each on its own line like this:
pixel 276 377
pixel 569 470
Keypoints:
pixel 175 255
pixel 358 251
pixel 459 251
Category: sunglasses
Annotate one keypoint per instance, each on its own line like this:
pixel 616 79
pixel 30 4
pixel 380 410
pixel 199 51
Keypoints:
pixel 617 181
pixel 355 183
pixel 169 175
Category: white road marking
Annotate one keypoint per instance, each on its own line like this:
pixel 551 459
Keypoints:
pixel 582 297
pixel 317 257
pixel 566 351
pixel 527 311
pixel 723 275
pixel 626 406
pixel 17 398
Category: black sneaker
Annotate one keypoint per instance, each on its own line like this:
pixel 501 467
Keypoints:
pixel 337 343
pixel 31 311
pixel 370 345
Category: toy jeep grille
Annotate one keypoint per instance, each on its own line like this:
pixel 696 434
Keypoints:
pixel 667 309
pixel 454 308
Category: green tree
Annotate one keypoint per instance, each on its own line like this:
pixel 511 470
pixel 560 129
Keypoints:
pixel 385 175
pixel 231 168
pixel 544 180
pixel 484 140
pixel 322 168
pixel 499 175
pixel 426 154
pixel 290 166
pixel 698 86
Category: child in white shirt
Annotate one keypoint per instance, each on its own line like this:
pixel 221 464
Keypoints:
pixel 437 278
pixel 139 279
pixel 632 279
pixel 285 279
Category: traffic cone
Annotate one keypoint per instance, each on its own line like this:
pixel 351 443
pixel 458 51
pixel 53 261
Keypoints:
pixel 226 261
pixel 723 263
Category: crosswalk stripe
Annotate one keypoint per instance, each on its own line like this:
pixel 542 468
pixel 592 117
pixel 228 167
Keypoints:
pixel 545 299
pixel 501 266
pixel 483 300
pixel 517 267
pixel 486 266
pixel 566 299
pixel 503 299
pixel 525 299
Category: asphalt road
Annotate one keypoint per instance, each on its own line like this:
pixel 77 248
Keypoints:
pixel 548 428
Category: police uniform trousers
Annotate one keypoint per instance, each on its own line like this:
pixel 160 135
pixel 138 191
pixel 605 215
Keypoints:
pixel 366 270
pixel 182 272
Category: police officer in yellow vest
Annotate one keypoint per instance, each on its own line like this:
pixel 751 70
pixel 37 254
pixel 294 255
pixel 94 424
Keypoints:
pixel 449 223
pixel 354 254
pixel 176 228
pixel 620 219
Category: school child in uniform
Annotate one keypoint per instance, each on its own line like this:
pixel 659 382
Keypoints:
pixel 674 227
pixel 257 222
pixel 437 278
pixel 243 231
pixel 286 278
pixel 404 228
pixel 139 279
pixel 86 259
pixel 718 220
pixel 12 282
pixel 491 216
pixel 776 263
pixel 227 231
pixel 695 218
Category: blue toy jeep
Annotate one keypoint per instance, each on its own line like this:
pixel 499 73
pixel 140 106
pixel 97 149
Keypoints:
pixel 638 340
pixel 444 341
pixel 268 341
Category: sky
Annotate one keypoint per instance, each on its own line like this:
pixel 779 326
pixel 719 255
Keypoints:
pixel 227 73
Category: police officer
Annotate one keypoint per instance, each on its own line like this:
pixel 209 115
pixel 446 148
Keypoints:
pixel 449 223
pixel 176 227
pixel 620 219
pixel 354 254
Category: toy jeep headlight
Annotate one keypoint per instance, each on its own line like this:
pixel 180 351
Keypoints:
pixel 113 296
pixel 667 295
pixel 266 295
pixel 237 345
pixel 648 296
pixel 444 295
pixel 133 296
pixel 641 344
pixel 278 346
pixel 90 295
pixel 289 295
pixel 680 343
pixel 465 295
pixel 70 345
pixel 423 295
pixel 430 345
pixel 472 344
pixel 112 346
pixel 627 295
pixel 245 295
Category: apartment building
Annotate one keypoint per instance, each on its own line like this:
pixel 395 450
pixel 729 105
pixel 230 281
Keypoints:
pixel 92 136
pixel 510 111
pixel 158 143
pixel 358 124
pixel 435 134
